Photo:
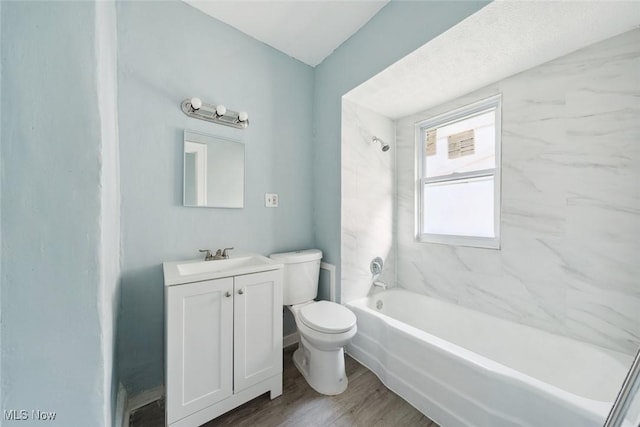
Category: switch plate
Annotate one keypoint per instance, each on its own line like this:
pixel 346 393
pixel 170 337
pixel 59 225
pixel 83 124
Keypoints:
pixel 271 200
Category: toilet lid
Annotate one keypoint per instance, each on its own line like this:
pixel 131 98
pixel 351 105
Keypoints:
pixel 328 317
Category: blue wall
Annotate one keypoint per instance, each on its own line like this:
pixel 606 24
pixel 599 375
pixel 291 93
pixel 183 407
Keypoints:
pixel 398 29
pixel 52 337
pixel 168 51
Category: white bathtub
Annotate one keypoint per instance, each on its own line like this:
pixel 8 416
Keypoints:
pixel 465 368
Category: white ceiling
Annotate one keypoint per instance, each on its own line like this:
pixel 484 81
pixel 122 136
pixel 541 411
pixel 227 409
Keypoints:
pixel 304 29
pixel 498 41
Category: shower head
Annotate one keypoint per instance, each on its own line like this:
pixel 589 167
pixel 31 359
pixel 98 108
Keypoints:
pixel 384 145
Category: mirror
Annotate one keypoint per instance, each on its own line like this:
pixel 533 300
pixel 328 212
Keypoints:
pixel 213 171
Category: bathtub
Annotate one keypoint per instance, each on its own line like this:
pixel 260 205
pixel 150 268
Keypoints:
pixel 464 368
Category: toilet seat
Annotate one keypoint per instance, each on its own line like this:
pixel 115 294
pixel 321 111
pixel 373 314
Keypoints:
pixel 327 317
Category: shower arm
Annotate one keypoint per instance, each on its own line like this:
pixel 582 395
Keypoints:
pixel 383 145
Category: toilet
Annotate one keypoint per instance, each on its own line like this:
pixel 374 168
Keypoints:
pixel 324 327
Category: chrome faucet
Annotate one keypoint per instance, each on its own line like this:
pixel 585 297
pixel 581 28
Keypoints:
pixel 220 254
pixel 207 254
pixel 379 284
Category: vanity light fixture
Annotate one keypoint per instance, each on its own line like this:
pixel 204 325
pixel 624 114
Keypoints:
pixel 194 107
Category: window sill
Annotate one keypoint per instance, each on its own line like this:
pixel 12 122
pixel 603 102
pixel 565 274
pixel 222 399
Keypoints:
pixel 468 241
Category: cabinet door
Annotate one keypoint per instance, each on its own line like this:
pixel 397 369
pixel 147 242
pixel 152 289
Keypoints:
pixel 199 346
pixel 258 328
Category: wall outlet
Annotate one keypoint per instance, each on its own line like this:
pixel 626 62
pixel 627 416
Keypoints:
pixel 270 200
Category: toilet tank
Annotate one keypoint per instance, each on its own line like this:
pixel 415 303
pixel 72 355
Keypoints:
pixel 300 275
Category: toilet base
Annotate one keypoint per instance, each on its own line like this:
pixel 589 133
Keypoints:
pixel 323 370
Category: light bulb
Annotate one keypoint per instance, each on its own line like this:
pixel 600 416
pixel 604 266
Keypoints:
pixel 243 116
pixel 196 103
pixel 221 110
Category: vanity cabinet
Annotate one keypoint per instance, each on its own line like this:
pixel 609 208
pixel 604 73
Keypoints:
pixel 223 345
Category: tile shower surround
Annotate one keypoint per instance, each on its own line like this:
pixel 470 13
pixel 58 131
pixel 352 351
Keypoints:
pixel 367 199
pixel 570 251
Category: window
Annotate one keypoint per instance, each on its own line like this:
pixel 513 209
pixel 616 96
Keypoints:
pixel 458 185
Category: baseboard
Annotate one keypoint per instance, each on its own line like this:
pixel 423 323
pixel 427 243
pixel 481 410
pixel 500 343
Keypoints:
pixel 142 399
pixel 291 339
pixel 121 417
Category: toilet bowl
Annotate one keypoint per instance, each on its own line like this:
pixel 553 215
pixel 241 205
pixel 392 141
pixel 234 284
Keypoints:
pixel 324 327
pixel 323 335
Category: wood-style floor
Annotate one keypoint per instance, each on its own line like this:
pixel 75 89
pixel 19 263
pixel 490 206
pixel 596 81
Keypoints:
pixel 367 402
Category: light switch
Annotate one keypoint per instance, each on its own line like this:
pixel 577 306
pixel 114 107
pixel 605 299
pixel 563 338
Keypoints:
pixel 271 200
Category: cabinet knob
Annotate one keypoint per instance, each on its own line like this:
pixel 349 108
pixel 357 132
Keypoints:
pixel 241 291
pixel 228 294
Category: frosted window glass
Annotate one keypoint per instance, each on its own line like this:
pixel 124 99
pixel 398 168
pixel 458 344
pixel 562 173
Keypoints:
pixel 460 208
pixel 485 147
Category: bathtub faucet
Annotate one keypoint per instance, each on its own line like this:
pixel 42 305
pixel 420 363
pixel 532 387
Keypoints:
pixel 380 284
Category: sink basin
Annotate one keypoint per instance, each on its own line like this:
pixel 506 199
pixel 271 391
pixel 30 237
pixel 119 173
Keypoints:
pixel 220 265
pixel 178 272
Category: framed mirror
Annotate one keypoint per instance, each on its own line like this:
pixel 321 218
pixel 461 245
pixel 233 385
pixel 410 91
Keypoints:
pixel 213 171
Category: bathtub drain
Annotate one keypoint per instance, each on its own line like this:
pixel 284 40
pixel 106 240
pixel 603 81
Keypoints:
pixel 379 305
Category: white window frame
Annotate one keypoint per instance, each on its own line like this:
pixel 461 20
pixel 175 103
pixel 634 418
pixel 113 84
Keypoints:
pixel 493 102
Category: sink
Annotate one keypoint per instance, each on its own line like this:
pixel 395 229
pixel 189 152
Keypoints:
pixel 178 272
pixel 199 267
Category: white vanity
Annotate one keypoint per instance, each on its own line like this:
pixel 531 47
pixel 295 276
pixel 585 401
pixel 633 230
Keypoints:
pixel 223 335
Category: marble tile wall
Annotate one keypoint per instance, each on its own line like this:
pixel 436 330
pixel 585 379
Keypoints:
pixel 570 256
pixel 368 198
